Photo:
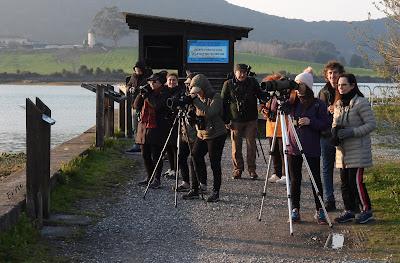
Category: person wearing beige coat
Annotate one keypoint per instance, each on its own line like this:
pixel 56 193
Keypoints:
pixel 353 121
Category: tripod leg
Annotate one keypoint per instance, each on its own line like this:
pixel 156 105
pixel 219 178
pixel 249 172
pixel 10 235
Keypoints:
pixel 160 158
pixel 264 193
pixel 285 142
pixel 177 157
pixel 310 175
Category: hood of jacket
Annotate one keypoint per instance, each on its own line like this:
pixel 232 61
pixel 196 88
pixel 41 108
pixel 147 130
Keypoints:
pixel 203 83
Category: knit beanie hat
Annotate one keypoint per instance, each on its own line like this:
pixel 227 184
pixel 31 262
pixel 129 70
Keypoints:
pixel 306 77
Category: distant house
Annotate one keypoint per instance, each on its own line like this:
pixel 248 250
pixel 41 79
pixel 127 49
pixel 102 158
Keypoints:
pixel 7 41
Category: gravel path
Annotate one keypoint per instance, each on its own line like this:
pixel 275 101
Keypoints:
pixel 152 230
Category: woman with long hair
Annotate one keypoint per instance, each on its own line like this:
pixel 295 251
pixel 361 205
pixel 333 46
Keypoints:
pixel 353 121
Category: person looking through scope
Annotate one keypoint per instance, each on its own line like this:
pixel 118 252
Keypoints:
pixel 310 118
pixel 211 135
pixel 269 110
pixel 133 82
pixel 239 96
pixel 353 121
pixel 153 125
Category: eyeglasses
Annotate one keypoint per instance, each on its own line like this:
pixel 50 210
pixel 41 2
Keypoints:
pixel 343 84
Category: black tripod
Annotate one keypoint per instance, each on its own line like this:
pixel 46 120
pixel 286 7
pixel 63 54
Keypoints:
pixel 282 118
pixel 179 121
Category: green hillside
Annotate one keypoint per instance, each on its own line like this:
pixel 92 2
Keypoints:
pixel 50 61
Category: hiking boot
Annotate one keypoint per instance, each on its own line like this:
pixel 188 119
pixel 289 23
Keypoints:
pixel 144 182
pixel 183 187
pixel 253 175
pixel 273 178
pixel 364 217
pixel 346 216
pixel 155 184
pixel 214 197
pixel 295 215
pixel 237 174
pixel 330 206
pixel 193 194
pixel 320 217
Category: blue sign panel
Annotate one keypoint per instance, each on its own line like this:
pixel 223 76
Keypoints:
pixel 208 51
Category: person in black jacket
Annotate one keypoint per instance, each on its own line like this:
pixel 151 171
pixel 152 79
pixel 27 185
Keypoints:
pixel 153 125
pixel 133 82
pixel 239 96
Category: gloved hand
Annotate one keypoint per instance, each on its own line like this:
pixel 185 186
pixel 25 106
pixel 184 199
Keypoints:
pixel 345 133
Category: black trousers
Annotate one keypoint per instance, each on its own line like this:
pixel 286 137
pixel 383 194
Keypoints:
pixel 214 148
pixel 171 155
pixel 150 154
pixel 295 172
pixel 183 161
pixel 354 192
pixel 277 155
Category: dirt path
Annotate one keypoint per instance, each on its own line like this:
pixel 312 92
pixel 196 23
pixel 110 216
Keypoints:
pixel 152 230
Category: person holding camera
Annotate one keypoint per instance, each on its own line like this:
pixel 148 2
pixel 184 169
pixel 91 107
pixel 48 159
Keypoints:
pixel 153 126
pixel 269 111
pixel 133 82
pixel 353 121
pixel 211 135
pixel 239 95
pixel 327 94
pixel 310 118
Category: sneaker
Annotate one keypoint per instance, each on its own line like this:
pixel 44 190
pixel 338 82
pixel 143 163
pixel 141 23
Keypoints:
pixel 133 150
pixel 183 187
pixel 320 217
pixel 330 206
pixel 273 178
pixel 203 189
pixel 364 217
pixel 295 215
pixel 193 194
pixel 144 182
pixel 237 174
pixel 170 174
pixel 253 175
pixel 346 216
pixel 282 180
pixel 155 184
pixel 214 197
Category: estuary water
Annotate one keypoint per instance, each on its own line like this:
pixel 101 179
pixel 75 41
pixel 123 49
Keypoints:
pixel 72 107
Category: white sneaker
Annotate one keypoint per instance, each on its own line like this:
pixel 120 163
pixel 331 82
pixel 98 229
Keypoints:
pixel 273 178
pixel 168 172
pixel 282 180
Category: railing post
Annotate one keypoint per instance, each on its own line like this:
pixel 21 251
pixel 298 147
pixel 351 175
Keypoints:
pixel 122 114
pixel 129 102
pixel 100 116
pixel 111 113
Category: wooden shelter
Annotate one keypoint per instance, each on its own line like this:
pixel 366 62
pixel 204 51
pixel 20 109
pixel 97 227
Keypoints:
pixel 168 43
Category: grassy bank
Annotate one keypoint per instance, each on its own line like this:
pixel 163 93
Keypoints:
pixel 388 119
pixel 50 61
pixel 96 174
pixel 383 184
pixel 10 162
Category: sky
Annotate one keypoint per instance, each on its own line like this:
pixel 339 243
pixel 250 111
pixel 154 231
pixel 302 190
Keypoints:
pixel 314 10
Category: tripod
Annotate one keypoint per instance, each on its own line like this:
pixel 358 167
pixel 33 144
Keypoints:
pixel 282 116
pixel 180 121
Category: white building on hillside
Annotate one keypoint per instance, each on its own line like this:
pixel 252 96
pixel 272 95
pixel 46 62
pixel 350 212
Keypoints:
pixel 91 38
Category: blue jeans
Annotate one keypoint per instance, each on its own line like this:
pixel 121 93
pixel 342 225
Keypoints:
pixel 328 152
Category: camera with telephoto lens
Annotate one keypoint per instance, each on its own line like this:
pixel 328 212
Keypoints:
pixel 335 139
pixel 144 89
pixel 179 101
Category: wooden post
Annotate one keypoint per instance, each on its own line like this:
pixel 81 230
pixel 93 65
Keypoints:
pixel 100 116
pixel 129 132
pixel 111 113
pixel 33 118
pixel 45 134
pixel 122 114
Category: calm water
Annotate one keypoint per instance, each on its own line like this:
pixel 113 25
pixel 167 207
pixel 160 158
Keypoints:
pixel 73 108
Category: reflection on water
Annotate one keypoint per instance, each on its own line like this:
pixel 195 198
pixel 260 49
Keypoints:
pixel 73 108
